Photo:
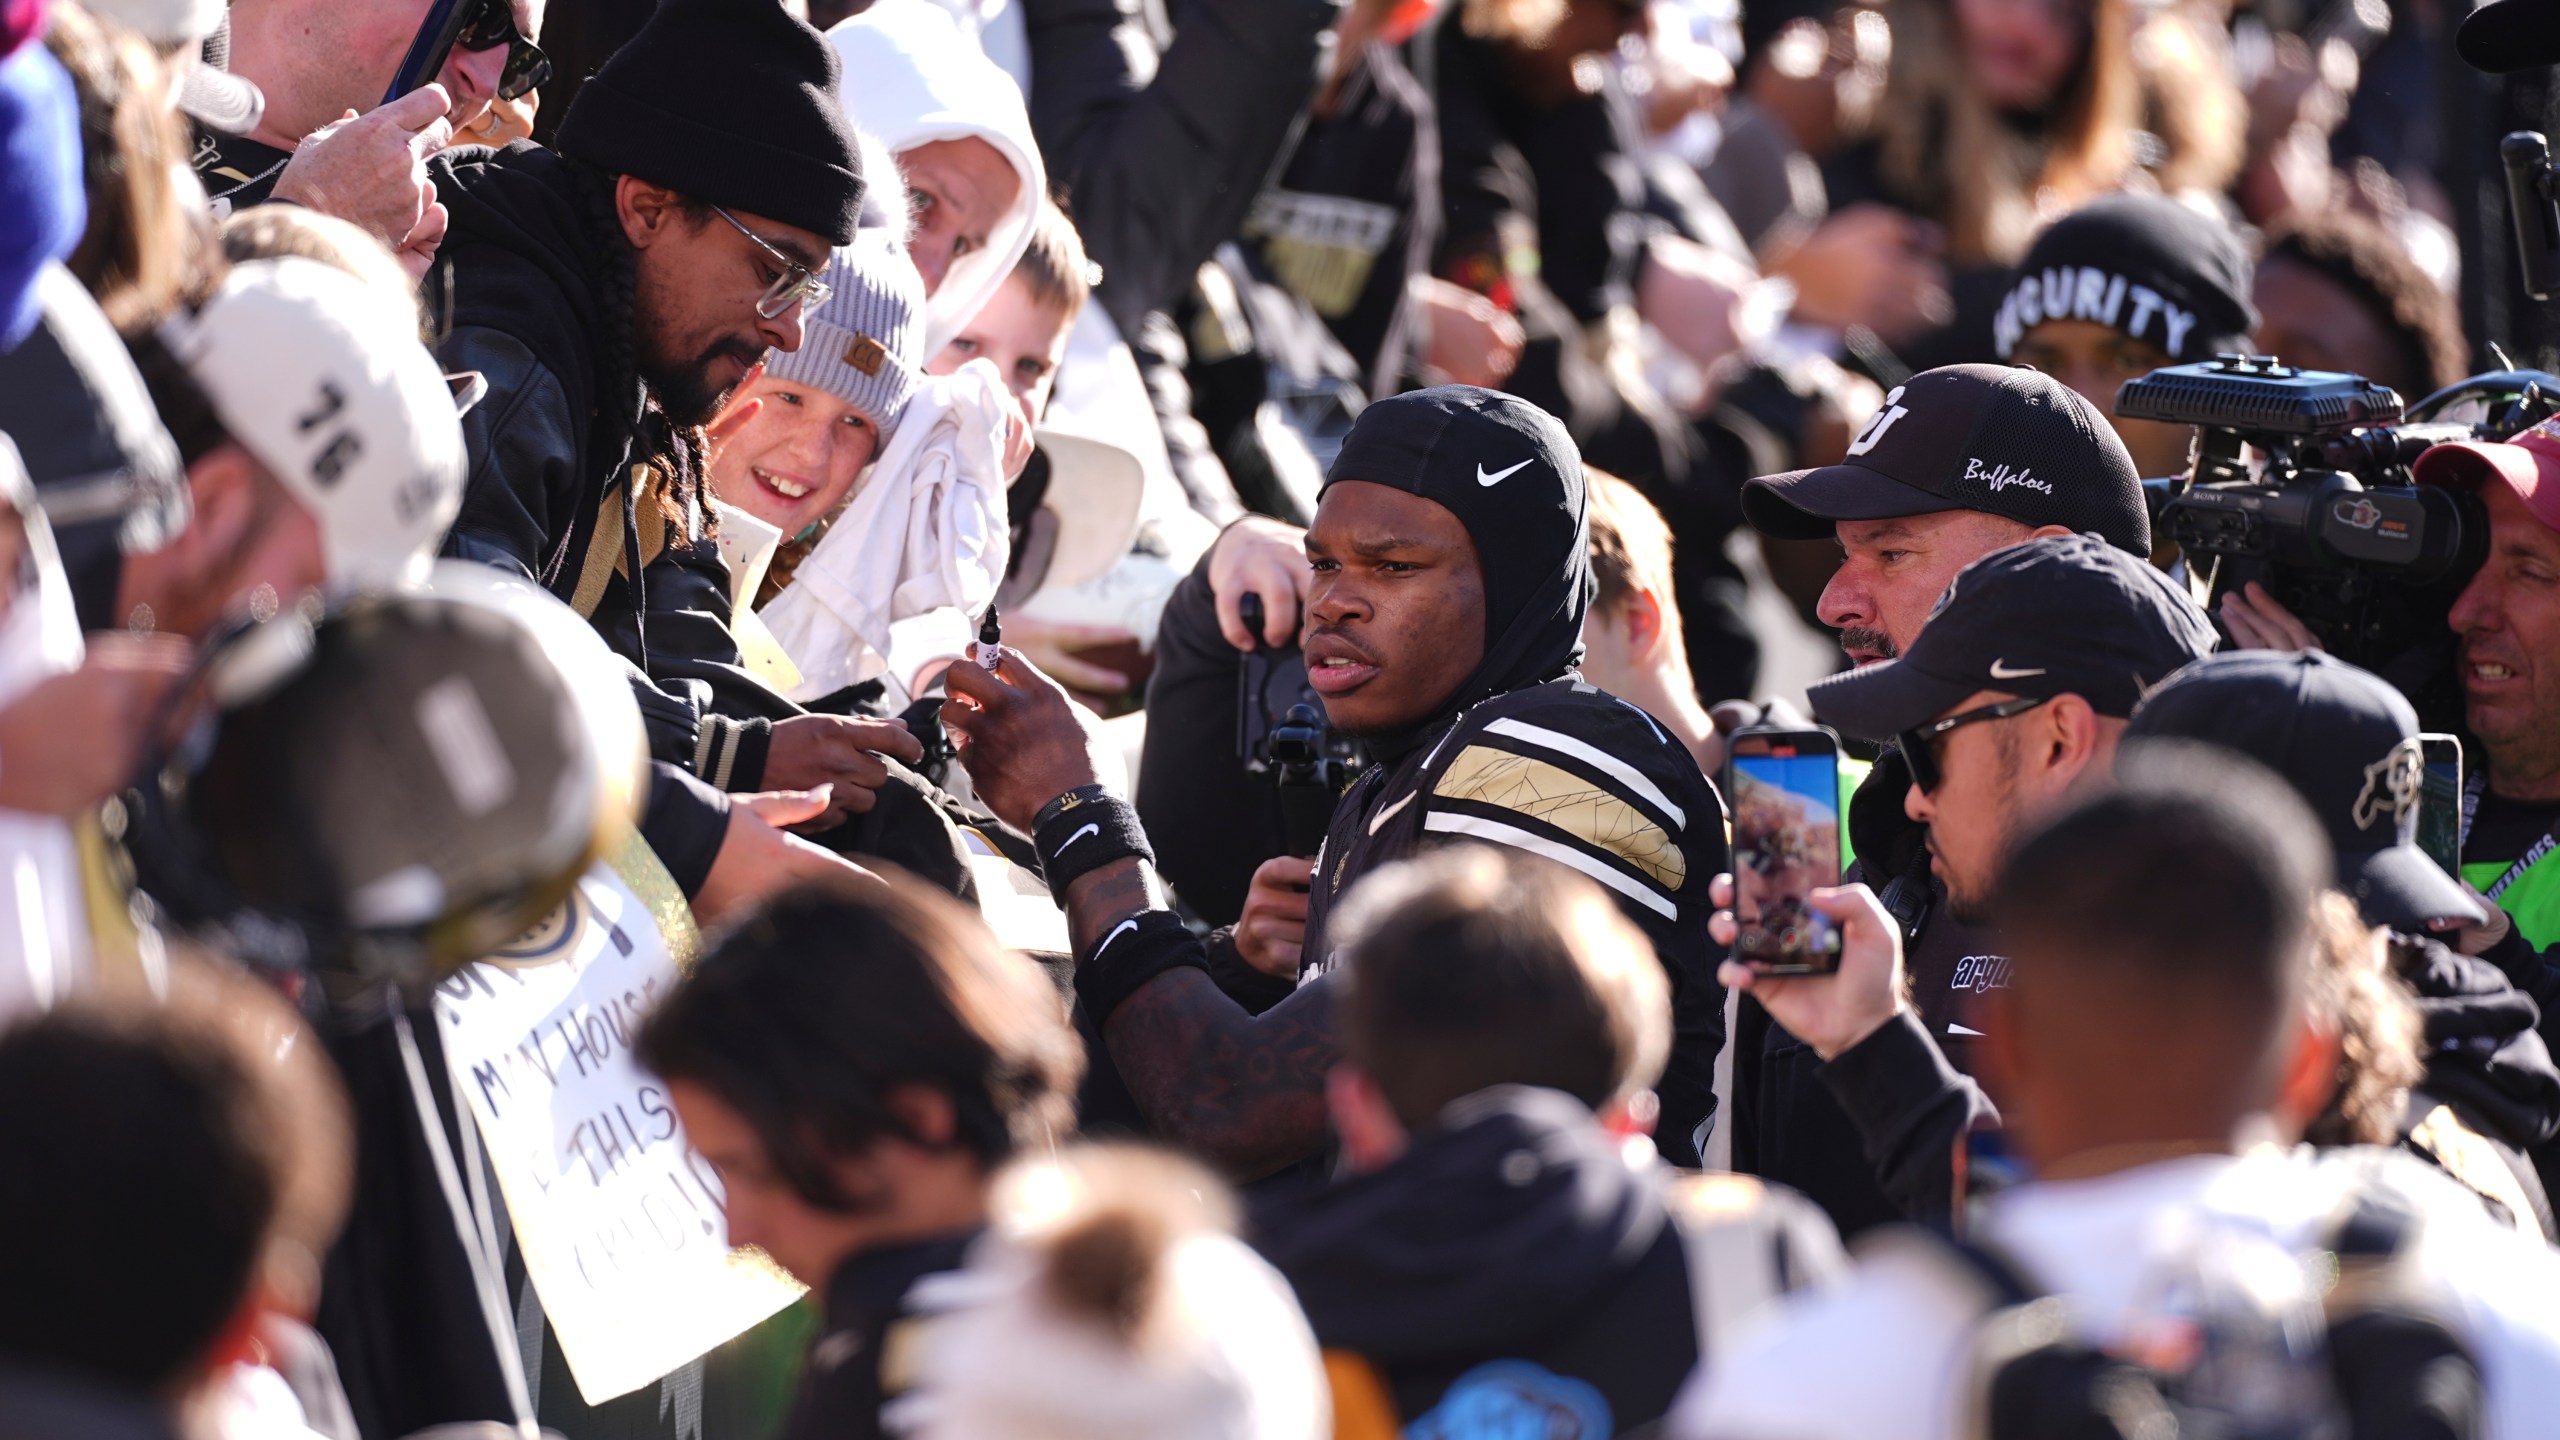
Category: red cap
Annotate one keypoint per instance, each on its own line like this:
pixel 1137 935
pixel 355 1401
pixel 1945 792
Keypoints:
pixel 2530 464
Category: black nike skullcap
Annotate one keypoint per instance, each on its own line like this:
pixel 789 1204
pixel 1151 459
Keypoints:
pixel 2509 35
pixel 2347 742
pixel 2144 266
pixel 1513 477
pixel 1991 438
pixel 2061 615
pixel 730 103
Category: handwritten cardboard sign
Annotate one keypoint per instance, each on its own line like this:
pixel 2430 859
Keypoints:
pixel 620 1222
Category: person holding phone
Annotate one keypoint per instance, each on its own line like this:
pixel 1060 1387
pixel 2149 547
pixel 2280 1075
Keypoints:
pixel 2010 703
pixel 347 128
pixel 1451 573
pixel 1962 461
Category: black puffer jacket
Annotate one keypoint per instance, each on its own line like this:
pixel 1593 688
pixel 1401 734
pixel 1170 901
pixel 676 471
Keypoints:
pixel 1513 1264
pixel 517 283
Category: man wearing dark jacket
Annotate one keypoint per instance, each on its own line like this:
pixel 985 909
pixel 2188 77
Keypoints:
pixel 1451 573
pixel 1962 461
pixel 612 293
pixel 1499 1019
pixel 2007 706
pixel 2348 742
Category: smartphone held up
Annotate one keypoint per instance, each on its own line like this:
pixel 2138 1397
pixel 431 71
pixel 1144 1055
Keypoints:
pixel 1784 787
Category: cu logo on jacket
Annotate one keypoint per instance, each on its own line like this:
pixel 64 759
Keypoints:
pixel 1893 410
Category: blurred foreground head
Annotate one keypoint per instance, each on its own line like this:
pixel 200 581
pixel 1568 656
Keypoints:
pixel 856 1064
pixel 1474 967
pixel 183 1166
pixel 1112 1298
pixel 2160 929
pixel 394 789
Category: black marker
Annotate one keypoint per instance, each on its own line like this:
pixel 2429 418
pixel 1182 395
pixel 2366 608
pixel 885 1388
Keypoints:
pixel 990 641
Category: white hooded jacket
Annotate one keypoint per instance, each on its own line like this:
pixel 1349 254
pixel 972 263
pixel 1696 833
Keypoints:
pixel 911 77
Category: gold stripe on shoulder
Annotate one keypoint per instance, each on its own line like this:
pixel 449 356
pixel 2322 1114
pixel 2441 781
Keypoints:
pixel 1556 796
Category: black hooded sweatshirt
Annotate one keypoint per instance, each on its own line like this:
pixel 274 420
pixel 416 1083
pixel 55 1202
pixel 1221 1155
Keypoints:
pixel 1524 753
pixel 1513 1263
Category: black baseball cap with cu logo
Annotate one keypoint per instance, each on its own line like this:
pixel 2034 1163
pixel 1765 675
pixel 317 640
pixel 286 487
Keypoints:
pixel 2015 443
pixel 2347 741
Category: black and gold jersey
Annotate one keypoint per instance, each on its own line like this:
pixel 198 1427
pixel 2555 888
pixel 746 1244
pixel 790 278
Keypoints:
pixel 1571 773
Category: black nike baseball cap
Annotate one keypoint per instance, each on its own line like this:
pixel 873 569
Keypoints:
pixel 2061 615
pixel 2509 35
pixel 2348 742
pixel 2007 442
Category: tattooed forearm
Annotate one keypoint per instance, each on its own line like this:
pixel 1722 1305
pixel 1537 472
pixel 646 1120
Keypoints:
pixel 1245 1093
pixel 1098 901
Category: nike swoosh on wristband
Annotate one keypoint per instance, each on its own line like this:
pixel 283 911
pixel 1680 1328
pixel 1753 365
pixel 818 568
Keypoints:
pixel 1123 928
pixel 1498 476
pixel 1094 828
pixel 1999 671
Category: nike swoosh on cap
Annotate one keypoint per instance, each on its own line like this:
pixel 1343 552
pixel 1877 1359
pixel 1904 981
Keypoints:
pixel 2000 671
pixel 1498 476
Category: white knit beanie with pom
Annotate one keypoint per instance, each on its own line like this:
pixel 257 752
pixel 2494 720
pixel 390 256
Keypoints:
pixel 1111 1299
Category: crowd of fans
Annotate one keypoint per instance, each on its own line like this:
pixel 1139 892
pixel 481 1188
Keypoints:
pixel 1140 609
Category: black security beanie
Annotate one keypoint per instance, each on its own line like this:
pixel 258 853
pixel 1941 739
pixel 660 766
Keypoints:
pixel 1513 477
pixel 729 101
pixel 2145 266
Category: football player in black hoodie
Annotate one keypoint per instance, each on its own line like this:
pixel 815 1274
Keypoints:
pixel 1451 573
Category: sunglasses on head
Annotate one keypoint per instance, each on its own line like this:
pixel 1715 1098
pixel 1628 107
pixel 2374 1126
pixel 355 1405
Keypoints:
pixel 493 24
pixel 1920 747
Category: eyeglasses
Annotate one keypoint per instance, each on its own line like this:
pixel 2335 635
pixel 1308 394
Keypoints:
pixel 798 285
pixel 1920 746
pixel 494 24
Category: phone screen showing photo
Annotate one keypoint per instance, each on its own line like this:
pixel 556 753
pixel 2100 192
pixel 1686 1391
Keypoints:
pixel 1786 844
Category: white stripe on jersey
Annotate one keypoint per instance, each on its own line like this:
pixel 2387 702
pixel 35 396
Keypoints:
pixel 1519 839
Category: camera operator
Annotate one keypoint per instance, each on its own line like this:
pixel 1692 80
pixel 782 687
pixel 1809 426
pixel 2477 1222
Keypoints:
pixel 1451 576
pixel 2006 707
pixel 2508 622
pixel 2150 1050
pixel 2348 744
pixel 1962 461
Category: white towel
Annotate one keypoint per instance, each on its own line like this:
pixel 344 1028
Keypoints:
pixel 897 579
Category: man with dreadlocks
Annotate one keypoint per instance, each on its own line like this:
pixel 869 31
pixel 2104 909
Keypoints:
pixel 613 291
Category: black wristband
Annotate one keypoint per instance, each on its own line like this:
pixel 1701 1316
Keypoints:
pixel 1082 831
pixel 1132 953
pixel 1068 800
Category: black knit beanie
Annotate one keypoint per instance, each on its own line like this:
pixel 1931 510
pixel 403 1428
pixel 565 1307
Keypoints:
pixel 729 101
pixel 2144 266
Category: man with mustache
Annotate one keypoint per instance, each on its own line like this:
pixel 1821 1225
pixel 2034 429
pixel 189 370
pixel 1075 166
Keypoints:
pixel 613 292
pixel 1452 570
pixel 1962 461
